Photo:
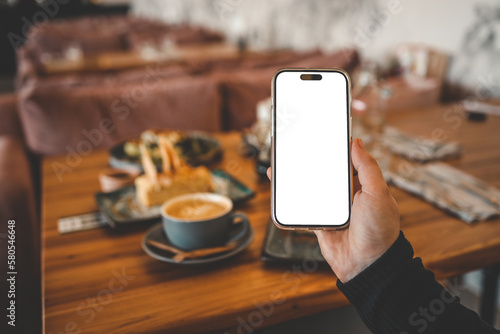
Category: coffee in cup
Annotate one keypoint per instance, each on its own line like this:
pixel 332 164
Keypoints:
pixel 201 220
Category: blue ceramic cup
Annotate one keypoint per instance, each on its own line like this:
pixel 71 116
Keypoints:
pixel 202 220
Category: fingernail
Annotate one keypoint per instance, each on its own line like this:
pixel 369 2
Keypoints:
pixel 361 144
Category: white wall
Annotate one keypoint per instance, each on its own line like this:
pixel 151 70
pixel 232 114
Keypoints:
pixel 375 27
pixel 440 23
pixel 444 24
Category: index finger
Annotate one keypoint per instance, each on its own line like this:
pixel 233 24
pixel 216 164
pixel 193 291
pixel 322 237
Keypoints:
pixel 369 174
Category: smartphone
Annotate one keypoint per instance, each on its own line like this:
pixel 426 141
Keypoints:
pixel 311 184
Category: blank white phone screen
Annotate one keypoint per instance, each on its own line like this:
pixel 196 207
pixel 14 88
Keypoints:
pixel 311 155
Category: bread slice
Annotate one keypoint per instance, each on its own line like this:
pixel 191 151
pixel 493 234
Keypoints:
pixel 177 178
pixel 185 181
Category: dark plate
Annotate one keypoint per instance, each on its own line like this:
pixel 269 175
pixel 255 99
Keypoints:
pixel 290 246
pixel 209 151
pixel 156 233
pixel 121 206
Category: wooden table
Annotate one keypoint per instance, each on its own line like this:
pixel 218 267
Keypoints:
pixel 101 281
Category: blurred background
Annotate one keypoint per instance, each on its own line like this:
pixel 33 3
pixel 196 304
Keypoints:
pixel 77 76
pixel 466 31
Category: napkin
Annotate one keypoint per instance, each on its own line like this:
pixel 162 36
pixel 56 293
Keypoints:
pixel 450 189
pixel 418 149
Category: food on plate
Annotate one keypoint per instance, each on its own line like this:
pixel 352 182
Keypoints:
pixel 176 176
pixel 194 147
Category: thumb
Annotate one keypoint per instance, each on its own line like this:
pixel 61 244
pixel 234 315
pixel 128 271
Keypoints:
pixel 369 173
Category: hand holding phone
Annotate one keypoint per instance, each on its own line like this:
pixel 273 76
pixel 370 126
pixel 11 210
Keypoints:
pixel 310 158
pixel 374 224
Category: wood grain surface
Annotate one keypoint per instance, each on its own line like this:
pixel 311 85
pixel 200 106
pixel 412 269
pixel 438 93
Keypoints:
pixel 101 281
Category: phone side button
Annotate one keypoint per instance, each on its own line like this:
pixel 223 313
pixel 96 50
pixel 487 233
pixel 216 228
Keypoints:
pixel 272 117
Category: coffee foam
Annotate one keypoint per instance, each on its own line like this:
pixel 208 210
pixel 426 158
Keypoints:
pixel 197 207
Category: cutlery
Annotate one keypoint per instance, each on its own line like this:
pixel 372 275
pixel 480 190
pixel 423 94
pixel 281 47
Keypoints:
pixel 181 255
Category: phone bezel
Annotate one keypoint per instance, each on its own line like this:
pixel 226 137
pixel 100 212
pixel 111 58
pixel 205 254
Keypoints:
pixel 273 149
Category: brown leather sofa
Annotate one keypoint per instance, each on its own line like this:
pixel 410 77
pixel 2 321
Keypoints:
pixel 18 203
pixel 61 113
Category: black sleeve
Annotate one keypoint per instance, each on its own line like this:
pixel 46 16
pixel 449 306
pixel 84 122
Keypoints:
pixel 396 294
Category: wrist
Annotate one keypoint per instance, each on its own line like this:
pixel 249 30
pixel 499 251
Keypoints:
pixel 360 266
pixel 367 256
pixel 380 272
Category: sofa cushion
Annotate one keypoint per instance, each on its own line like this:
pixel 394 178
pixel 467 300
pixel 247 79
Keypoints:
pixel 65 120
pixel 242 89
pixel 10 124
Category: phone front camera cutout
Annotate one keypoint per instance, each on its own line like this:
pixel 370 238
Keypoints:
pixel 311 77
